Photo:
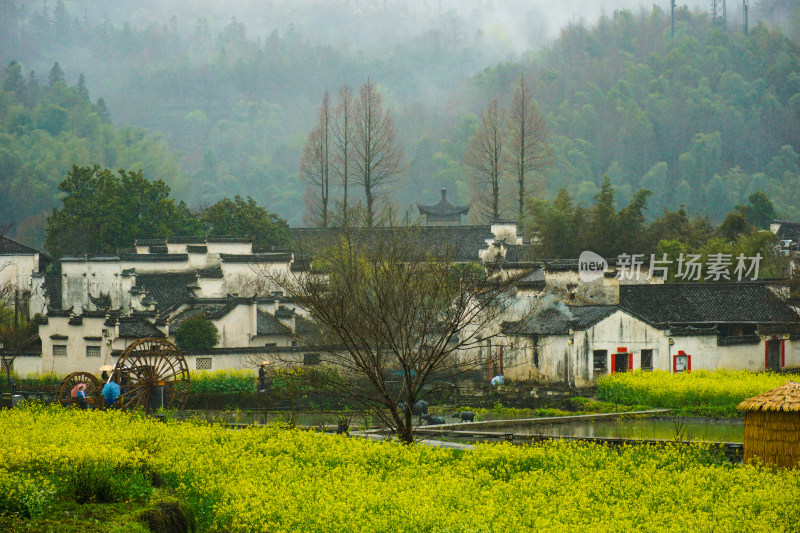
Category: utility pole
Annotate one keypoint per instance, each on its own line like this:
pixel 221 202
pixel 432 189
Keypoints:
pixel 672 19
pixel 719 13
pixel 745 8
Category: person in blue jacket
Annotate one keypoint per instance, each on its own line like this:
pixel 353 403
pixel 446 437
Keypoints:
pixel 111 393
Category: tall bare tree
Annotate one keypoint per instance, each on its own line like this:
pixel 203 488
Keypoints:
pixel 398 319
pixel 487 160
pixel 315 167
pixel 527 140
pixel 377 157
pixel 343 131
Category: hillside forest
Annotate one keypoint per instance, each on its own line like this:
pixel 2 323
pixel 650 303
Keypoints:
pixel 703 119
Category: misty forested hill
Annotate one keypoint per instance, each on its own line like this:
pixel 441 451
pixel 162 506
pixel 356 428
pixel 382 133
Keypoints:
pixel 702 119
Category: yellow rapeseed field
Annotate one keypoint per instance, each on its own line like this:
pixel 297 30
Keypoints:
pixel 712 392
pixel 272 479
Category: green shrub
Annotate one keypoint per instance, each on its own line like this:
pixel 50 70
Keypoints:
pixel 168 516
pixel 197 333
pixel 24 496
pixel 95 482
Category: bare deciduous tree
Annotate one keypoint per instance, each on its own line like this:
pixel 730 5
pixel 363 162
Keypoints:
pixel 486 158
pixel 398 320
pixel 315 167
pixel 343 130
pixel 377 157
pixel 527 140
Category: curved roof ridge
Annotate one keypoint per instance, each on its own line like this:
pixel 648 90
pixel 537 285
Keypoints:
pixel 443 207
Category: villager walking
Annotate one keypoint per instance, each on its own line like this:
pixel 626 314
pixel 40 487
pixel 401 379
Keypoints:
pixel 111 392
pixel 81 395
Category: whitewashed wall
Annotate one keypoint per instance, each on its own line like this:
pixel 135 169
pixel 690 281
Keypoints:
pixel 560 361
pixel 76 343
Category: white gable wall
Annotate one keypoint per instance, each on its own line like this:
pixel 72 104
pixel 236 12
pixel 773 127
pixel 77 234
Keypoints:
pixel 76 342
pixel 562 361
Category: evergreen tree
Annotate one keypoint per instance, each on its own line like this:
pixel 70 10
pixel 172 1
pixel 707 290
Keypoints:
pixel 55 76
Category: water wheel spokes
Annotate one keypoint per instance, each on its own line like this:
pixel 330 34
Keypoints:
pixel 152 373
pixel 94 388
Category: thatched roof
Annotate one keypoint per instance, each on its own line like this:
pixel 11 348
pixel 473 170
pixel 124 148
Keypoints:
pixel 784 398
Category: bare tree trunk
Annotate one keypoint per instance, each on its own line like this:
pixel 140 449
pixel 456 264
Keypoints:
pixel 343 138
pixel 527 140
pixel 315 167
pixel 377 158
pixel 486 158
pixel 397 319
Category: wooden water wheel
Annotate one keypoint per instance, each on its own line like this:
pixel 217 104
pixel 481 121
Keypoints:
pixel 152 374
pixel 94 388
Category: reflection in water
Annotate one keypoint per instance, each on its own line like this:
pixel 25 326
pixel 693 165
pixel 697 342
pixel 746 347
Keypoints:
pixel 638 428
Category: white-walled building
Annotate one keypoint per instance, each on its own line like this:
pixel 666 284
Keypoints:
pixel 100 304
pixel 673 327
pixel 21 272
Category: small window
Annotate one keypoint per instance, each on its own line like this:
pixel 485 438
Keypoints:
pixel 202 363
pixel 92 351
pixel 59 350
pixel 310 358
pixel 600 360
pixel 294 343
pixel 647 359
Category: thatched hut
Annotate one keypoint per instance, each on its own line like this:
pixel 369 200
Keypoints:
pixel 772 426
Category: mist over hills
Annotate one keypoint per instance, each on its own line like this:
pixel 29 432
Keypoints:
pixel 229 91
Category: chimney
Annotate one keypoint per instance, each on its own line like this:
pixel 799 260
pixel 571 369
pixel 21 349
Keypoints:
pixel 444 195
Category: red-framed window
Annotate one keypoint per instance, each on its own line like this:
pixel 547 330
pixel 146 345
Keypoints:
pixel 621 352
pixel 766 352
pixel 681 362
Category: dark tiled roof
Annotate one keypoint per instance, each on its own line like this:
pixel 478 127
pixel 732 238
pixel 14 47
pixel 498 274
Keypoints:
pixel 185 239
pixel 158 249
pixel 196 249
pixel 531 280
pixel 167 289
pixel 443 208
pixel 284 312
pixel 253 350
pixel 89 257
pixel 268 248
pixel 154 258
pixel 52 288
pixel 101 302
pixel 12 247
pixel 704 303
pixel 267 324
pixel 788 230
pixel 229 238
pixel 462 242
pixel 307 328
pixel 558 319
pixel 256 258
pixel 214 272
pixel 211 308
pixel 134 327
pixel 150 242
pixel 516 253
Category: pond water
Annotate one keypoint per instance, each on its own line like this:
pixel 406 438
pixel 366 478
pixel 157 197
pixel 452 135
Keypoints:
pixel 719 430
pixel 663 428
pixel 304 418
